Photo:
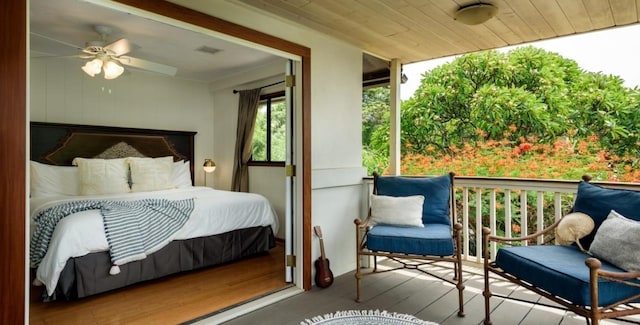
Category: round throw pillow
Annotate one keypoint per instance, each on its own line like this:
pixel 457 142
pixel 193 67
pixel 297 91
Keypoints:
pixel 572 227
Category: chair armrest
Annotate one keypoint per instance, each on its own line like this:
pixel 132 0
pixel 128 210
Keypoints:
pixel 595 264
pixel 362 223
pixel 486 232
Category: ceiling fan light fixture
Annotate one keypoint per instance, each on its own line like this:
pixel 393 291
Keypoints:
pixel 476 13
pixel 92 67
pixel 112 70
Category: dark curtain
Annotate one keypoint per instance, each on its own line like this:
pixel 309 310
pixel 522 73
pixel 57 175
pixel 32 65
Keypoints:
pixel 247 111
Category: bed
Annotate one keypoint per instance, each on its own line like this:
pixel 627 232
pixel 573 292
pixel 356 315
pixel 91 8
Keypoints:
pixel 219 227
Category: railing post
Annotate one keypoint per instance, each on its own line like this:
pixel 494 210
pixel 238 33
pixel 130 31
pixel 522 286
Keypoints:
pixel 524 223
pixel 478 224
pixel 540 215
pixel 465 221
pixel 492 218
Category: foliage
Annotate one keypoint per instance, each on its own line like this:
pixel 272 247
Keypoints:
pixel 517 114
pixel 278 135
pixel 375 129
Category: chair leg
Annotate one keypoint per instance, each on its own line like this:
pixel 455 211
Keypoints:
pixel 487 292
pixel 358 278
pixel 458 272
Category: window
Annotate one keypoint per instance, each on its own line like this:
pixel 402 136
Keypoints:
pixel 269 136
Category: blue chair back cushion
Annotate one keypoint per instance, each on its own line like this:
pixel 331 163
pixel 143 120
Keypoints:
pixel 597 201
pixel 561 271
pixel 433 239
pixel 436 192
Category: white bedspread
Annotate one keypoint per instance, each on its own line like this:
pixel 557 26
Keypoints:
pixel 215 212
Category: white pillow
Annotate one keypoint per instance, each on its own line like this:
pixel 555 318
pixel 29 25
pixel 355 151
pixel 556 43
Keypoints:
pixel 403 211
pixel 181 174
pixel 617 241
pixel 103 176
pixel 50 180
pixel 151 174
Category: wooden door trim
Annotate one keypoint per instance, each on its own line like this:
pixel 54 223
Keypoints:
pixel 13 150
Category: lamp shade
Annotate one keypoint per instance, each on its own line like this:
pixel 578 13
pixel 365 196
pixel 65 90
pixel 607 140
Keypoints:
pixel 112 70
pixel 92 67
pixel 475 14
pixel 209 166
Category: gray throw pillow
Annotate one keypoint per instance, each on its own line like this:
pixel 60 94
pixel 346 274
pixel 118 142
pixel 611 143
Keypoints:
pixel 617 241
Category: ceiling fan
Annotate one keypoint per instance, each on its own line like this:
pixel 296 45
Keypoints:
pixel 111 57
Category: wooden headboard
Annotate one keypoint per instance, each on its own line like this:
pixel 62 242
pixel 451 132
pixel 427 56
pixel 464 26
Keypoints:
pixel 59 144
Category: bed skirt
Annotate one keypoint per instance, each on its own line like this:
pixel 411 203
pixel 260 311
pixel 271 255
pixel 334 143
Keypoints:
pixel 89 275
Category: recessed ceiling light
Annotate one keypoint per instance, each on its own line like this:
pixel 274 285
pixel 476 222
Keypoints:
pixel 208 49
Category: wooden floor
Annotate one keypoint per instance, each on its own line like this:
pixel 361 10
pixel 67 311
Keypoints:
pixel 172 300
pixel 411 292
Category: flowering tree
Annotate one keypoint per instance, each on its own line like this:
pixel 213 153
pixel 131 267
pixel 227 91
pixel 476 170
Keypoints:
pixel 524 107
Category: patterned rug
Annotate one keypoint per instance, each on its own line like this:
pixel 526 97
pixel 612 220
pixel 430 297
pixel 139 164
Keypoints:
pixel 365 317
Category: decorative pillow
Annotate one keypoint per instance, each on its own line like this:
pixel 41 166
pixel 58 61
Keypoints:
pixel 181 174
pixel 572 227
pixel 598 201
pixel 103 176
pixel 617 241
pixel 403 211
pixel 436 191
pixel 50 180
pixel 151 174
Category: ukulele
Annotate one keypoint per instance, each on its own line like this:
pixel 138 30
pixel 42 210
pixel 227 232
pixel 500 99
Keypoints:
pixel 324 276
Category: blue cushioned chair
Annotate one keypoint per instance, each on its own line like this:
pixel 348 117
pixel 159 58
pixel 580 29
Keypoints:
pixel 590 287
pixel 414 247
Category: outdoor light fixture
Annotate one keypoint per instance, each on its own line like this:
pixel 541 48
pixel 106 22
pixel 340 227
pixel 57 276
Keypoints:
pixel 476 13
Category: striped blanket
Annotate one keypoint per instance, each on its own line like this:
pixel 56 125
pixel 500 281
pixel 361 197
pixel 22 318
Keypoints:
pixel 133 228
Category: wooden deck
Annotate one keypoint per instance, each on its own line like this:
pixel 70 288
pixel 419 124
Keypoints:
pixel 411 292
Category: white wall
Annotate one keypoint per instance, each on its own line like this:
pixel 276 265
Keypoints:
pixel 62 93
pixel 270 182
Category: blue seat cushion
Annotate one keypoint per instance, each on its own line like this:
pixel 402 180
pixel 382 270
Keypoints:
pixel 597 202
pixel 436 192
pixel 561 270
pixel 433 239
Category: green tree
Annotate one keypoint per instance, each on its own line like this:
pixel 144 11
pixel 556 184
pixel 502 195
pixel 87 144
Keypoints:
pixel 375 126
pixel 527 94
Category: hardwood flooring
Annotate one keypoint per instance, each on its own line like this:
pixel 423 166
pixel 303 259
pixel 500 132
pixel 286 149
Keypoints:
pixel 411 292
pixel 172 300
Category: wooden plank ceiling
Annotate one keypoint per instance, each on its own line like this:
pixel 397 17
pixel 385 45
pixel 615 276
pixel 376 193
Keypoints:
pixel 419 30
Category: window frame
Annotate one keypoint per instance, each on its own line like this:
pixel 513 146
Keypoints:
pixel 268 162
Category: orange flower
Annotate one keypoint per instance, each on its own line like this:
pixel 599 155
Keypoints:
pixel 525 146
pixel 515 228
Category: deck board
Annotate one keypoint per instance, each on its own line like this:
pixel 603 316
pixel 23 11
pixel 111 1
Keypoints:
pixel 411 292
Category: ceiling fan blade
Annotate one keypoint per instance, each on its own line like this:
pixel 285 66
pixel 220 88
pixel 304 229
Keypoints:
pixel 148 65
pixel 119 47
pixel 40 55
pixel 52 46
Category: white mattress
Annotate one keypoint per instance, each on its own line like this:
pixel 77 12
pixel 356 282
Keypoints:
pixel 215 212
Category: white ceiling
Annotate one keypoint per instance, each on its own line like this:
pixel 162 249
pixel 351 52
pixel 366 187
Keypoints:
pixel 61 27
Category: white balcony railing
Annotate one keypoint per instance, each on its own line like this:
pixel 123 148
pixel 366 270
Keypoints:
pixel 509 206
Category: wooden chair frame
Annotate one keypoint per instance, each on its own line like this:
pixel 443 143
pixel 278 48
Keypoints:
pixel 412 261
pixel 593 315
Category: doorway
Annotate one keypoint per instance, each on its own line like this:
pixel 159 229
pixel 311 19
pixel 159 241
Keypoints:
pixel 298 205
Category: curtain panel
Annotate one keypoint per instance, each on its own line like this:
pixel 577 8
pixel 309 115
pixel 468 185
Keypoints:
pixel 247 111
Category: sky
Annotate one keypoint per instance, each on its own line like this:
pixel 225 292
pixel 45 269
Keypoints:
pixel 613 51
